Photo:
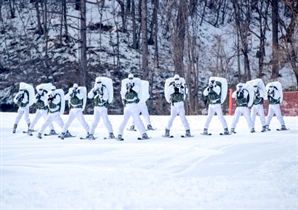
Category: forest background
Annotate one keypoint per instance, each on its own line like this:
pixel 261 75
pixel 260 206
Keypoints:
pixel 74 41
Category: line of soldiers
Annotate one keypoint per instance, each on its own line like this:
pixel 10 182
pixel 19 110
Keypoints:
pixel 252 94
pixel 50 105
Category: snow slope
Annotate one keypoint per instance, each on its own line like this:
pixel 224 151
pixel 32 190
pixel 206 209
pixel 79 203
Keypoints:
pixel 241 171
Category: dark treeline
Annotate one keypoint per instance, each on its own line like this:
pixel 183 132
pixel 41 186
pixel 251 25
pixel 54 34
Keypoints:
pixel 67 41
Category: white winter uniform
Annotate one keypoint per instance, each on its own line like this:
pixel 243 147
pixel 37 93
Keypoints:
pixel 258 109
pixel 75 112
pixel 177 108
pixel 241 110
pixel 275 109
pixel 23 107
pixel 214 108
pixel 131 109
pixel 40 112
pixel 54 113
pixel 100 110
pixel 144 111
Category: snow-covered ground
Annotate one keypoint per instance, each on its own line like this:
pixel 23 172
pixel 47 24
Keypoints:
pixel 241 171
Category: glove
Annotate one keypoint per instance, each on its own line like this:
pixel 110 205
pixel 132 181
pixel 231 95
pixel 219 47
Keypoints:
pixel 210 85
pixel 176 90
pixel 50 97
pixel 94 91
pixel 128 86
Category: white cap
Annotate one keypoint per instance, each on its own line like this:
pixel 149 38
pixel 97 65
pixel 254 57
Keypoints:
pixel 176 77
pixel 97 79
pixel 53 88
pixel 22 86
pixel 130 76
pixel 75 85
pixel 212 79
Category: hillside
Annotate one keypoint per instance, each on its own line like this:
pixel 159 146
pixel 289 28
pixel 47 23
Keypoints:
pixel 25 56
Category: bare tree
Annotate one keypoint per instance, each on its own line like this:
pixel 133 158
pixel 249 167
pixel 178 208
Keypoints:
pixel 275 48
pixel 83 42
pixel 288 38
pixel 145 53
pixel 179 37
pixel 242 15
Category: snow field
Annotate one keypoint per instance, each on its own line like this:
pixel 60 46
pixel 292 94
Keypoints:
pixel 241 171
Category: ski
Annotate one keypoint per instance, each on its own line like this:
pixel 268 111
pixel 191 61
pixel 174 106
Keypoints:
pixel 225 134
pixel 206 134
pixel 283 129
pixel 27 131
pixel 105 138
pixel 139 138
pixel 49 134
pixel 131 129
pixel 119 139
pixel 168 136
pixel 87 138
pixel 153 129
pixel 62 138
pixel 183 136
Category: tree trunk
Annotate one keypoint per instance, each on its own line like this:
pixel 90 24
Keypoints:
pixel 275 59
pixel 12 9
pixel 83 41
pixel 156 54
pixel 134 25
pixel 144 41
pixel 123 16
pixel 180 38
pixel 39 27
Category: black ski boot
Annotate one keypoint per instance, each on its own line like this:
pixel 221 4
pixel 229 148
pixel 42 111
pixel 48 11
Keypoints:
pixel 39 136
pixel 226 131
pixel 111 136
pixel 91 137
pixel 283 128
pixel 30 132
pixel 205 132
pixel 167 133
pixel 267 128
pixel 132 128
pixel 52 132
pixel 14 128
pixel 62 135
pixel 149 127
pixel 145 136
pixel 187 133
pixel 119 138
pixel 66 134
pixel 233 130
pixel 264 129
pixel 252 130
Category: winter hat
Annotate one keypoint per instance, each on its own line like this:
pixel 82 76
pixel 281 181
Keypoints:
pixel 97 80
pixel 176 77
pixel 130 76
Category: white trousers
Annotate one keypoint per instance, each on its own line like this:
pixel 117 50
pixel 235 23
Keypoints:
pixel 144 110
pixel 275 109
pixel 178 109
pixel 215 108
pixel 258 109
pixel 76 113
pixel 23 111
pixel 101 112
pixel 241 111
pixel 40 113
pixel 50 118
pixel 132 110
